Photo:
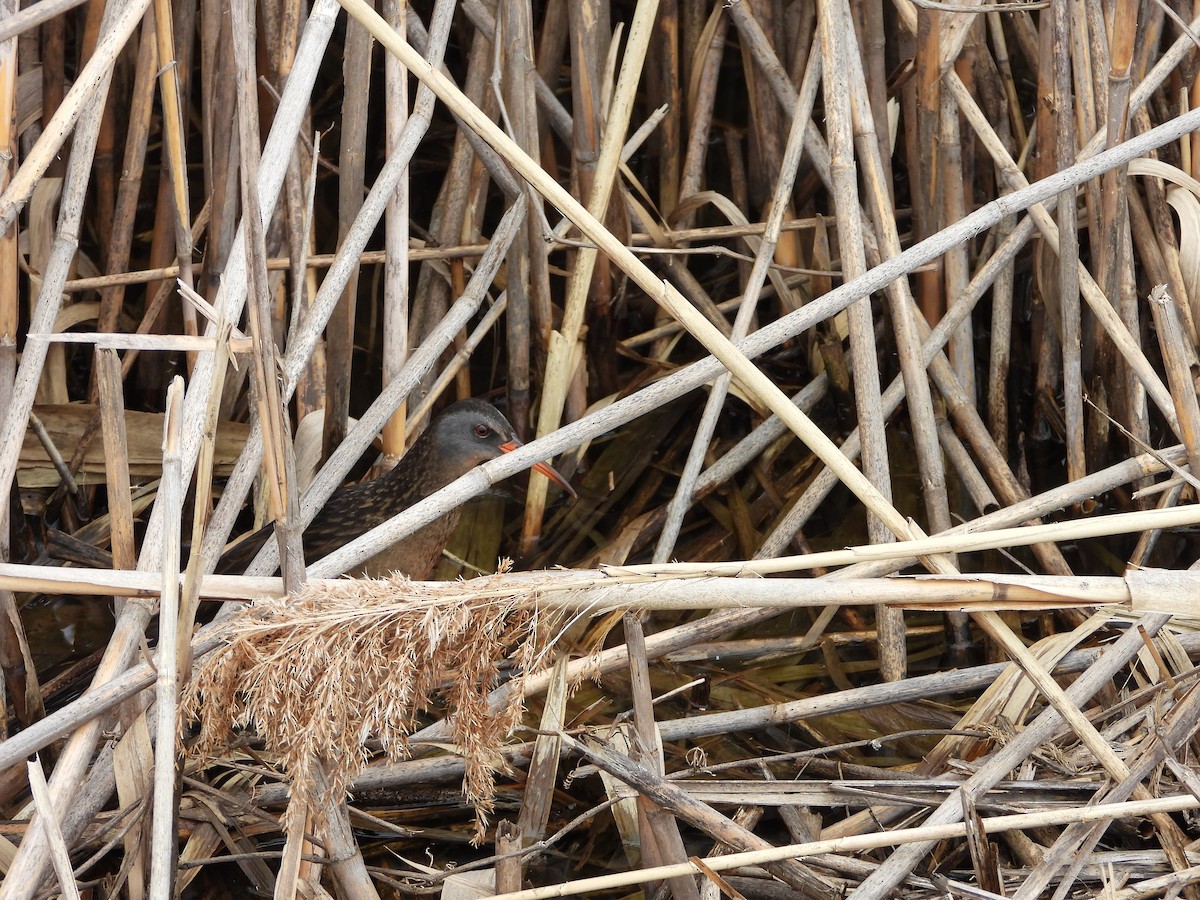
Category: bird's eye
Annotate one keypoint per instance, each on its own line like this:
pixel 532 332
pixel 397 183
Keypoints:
pixel 482 431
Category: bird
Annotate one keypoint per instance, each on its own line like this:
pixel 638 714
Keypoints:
pixel 464 435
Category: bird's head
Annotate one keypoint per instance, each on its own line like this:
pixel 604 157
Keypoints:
pixel 470 432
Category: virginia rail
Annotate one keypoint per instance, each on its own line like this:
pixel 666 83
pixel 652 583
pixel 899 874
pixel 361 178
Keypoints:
pixel 461 437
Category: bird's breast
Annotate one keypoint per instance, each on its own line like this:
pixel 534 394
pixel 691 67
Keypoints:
pixel 416 555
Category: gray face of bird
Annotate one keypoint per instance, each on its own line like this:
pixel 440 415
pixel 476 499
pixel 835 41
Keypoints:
pixel 469 433
pixel 473 431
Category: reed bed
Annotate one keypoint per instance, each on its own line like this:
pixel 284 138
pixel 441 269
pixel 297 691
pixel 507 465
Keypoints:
pixel 866 330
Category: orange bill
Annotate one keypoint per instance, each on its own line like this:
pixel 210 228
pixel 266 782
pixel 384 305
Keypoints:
pixel 543 468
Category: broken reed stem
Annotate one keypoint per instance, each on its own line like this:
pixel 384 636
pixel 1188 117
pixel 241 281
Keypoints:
pixel 1175 361
pixel 60 856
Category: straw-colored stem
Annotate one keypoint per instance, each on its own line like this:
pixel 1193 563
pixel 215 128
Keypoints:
pixel 837 43
pixel 922 837
pixel 1069 266
pixel 59 854
pixel 702 92
pixel 169 90
pixel 395 272
pixel 956 267
pixel 515 69
pixel 128 188
pixel 1176 358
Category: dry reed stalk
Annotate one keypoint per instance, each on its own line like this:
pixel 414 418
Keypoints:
pixel 116 461
pixel 59 855
pixel 129 186
pixel 462 356
pixel 701 97
pixel 279 488
pixel 163 845
pixel 951 180
pixel 927 546
pixel 658 830
pixel 172 108
pixel 543 763
pixel 1175 361
pixel 1059 74
pixel 527 284
pixel 970 477
pixel 837 43
pixel 339 342
pixel 204 474
pixel 397 256
pixel 901 305
pixel 865 592
pixel 446 217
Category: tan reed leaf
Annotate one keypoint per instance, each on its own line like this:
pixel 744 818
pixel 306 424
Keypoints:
pixel 319 674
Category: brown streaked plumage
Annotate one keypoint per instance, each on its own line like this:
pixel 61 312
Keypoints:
pixel 464 435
